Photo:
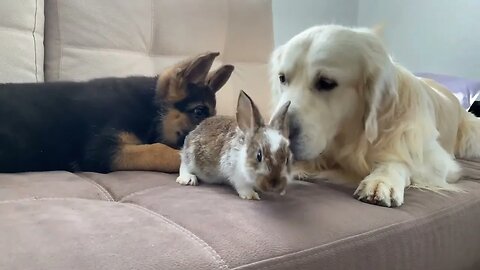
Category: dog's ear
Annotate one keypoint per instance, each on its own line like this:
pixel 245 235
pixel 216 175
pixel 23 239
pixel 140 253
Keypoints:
pixel 278 121
pixel 377 86
pixel 196 69
pixel 173 81
pixel 217 79
pixel 248 115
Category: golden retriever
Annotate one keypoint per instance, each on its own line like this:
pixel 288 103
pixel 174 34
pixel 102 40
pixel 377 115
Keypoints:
pixel 355 110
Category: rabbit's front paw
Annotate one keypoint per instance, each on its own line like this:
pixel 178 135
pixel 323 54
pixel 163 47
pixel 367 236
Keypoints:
pixel 248 194
pixel 187 179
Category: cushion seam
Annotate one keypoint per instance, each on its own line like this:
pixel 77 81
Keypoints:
pixel 149 54
pixel 35 40
pixel 218 259
pixel 143 191
pixel 99 187
pixel 320 248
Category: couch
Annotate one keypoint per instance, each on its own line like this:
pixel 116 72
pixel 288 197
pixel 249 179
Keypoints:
pixel 144 220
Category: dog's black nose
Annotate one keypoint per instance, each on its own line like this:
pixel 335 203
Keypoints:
pixel 181 135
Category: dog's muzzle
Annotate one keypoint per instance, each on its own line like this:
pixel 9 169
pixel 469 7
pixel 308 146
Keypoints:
pixel 296 146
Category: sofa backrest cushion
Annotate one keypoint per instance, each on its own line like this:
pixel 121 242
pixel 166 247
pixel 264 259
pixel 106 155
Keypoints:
pixel 90 38
pixel 21 44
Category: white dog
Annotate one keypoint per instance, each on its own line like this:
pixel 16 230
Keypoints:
pixel 355 110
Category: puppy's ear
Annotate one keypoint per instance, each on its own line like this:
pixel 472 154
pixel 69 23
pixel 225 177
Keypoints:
pixel 377 87
pixel 278 121
pixel 248 116
pixel 196 70
pixel 216 79
pixel 173 81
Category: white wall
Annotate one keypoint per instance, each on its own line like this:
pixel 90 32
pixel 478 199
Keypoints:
pixel 293 16
pixel 440 36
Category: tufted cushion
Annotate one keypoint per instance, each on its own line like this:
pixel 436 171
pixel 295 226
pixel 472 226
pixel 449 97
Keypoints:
pixel 91 38
pixel 21 46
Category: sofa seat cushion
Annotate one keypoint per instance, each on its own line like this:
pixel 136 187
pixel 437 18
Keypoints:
pixel 21 47
pixel 147 221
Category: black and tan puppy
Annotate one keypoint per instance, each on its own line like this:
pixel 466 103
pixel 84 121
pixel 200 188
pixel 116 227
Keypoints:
pixel 102 125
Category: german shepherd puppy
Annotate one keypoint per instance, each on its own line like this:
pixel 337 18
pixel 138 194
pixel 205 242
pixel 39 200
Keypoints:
pixel 107 124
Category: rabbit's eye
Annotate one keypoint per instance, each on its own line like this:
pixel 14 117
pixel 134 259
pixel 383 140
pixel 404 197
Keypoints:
pixel 259 156
pixel 282 78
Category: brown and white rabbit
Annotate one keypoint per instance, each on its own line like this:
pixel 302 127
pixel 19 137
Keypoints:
pixel 246 153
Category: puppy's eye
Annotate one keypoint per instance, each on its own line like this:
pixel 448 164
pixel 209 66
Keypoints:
pixel 325 84
pixel 200 111
pixel 287 160
pixel 259 156
pixel 282 78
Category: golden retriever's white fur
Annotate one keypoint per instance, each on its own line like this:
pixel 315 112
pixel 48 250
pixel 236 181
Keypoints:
pixel 354 109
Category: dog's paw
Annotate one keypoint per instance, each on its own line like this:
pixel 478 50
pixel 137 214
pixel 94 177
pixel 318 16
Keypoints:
pixel 187 179
pixel 249 195
pixel 380 192
pixel 301 175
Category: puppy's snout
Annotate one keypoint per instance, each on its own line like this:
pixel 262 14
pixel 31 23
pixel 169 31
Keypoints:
pixel 181 135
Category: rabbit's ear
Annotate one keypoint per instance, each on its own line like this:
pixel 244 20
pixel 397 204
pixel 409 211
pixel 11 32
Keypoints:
pixel 216 79
pixel 248 115
pixel 278 120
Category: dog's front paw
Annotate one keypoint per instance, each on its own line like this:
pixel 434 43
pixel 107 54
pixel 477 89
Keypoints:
pixel 380 192
pixel 248 195
pixel 187 179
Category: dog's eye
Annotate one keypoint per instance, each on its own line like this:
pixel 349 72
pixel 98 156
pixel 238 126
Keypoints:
pixel 200 111
pixel 259 156
pixel 325 84
pixel 287 160
pixel 282 79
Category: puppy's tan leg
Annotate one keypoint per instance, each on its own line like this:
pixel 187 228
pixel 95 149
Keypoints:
pixel 132 156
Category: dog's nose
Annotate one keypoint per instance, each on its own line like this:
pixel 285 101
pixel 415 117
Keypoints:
pixel 181 135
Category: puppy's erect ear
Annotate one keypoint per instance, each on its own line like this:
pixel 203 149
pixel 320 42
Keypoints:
pixel 196 70
pixel 216 79
pixel 278 121
pixel 248 116
pixel 172 82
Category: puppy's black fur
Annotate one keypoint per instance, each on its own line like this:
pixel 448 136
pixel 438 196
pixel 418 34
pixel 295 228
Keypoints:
pixel 79 125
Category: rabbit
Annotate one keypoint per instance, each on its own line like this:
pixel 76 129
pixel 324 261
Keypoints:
pixel 242 152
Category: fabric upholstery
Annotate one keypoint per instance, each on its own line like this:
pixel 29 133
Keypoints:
pixel 87 39
pixel 21 46
pixel 144 220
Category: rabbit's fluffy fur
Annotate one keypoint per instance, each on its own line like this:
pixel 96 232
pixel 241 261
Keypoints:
pixel 243 152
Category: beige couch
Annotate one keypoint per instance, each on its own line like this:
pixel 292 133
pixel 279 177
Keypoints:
pixel 144 220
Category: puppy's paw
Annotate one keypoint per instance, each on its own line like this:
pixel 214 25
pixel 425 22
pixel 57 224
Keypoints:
pixel 187 179
pixel 380 192
pixel 248 195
